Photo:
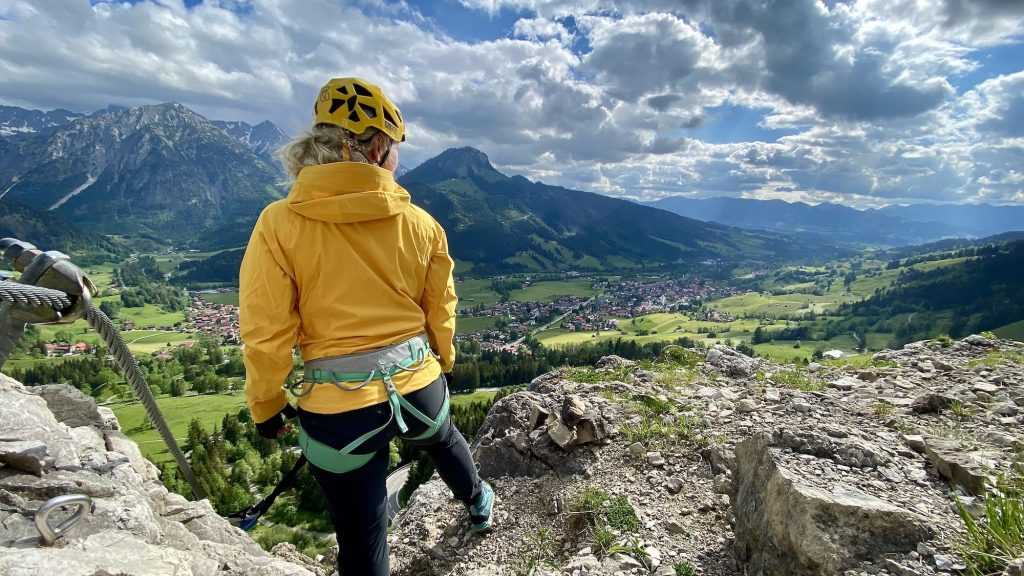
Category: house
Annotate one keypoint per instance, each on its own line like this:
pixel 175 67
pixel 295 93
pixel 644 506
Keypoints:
pixel 56 349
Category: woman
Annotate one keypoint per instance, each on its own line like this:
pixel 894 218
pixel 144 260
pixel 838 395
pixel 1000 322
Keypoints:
pixel 347 267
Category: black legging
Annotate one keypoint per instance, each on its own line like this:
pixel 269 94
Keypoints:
pixel 358 499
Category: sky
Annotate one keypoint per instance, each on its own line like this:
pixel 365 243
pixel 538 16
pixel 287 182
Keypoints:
pixel 861 102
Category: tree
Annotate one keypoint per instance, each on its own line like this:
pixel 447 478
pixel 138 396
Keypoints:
pixel 111 308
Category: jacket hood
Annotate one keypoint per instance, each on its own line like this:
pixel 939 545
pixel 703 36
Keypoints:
pixel 347 192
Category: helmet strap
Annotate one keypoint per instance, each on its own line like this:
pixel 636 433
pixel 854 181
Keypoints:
pixel 385 157
pixel 346 152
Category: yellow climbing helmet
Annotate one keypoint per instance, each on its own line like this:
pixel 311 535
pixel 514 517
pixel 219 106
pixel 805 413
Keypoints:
pixel 355 105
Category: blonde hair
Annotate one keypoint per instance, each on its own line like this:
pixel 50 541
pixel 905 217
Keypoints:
pixel 323 144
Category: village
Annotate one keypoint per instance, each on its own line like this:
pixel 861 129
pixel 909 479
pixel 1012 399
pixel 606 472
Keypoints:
pixel 616 300
pixel 514 320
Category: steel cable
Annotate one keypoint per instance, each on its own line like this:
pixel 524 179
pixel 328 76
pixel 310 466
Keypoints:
pixel 29 295
pixel 130 368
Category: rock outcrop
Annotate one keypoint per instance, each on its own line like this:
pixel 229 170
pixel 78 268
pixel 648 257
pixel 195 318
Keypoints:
pixel 54 442
pixel 787 523
pixel 736 466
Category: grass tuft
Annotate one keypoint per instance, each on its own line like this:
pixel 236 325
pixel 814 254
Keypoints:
pixel 997 538
pixel 605 517
pixel 798 380
pixel 883 409
pixel 997 358
pixel 684 569
pixel 590 375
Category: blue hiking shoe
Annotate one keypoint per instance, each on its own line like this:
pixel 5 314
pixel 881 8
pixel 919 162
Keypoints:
pixel 480 510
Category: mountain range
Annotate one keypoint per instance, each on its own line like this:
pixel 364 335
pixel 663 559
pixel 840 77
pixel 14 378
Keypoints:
pixel 166 173
pixel 889 226
pixel 160 170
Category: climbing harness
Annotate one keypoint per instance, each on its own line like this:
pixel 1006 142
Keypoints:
pixel 49 534
pixel 53 290
pixel 361 369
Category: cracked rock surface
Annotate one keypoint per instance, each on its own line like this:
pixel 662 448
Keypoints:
pixel 732 466
pixel 55 442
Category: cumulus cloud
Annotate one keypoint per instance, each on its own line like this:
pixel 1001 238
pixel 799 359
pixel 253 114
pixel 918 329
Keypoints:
pixel 604 96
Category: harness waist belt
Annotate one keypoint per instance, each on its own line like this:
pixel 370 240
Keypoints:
pixel 414 350
pixel 362 369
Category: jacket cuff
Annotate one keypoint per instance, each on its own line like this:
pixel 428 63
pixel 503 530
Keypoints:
pixel 270 427
pixel 262 411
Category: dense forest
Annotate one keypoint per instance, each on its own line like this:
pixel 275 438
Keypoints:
pixel 979 294
pixel 142 282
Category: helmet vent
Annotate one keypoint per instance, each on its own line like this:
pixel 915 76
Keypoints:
pixel 353 116
pixel 388 117
pixel 368 110
pixel 361 90
pixel 335 104
pixel 343 90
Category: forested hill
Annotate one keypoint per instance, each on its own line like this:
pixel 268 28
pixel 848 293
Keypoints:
pixel 983 292
pixel 507 224
pixel 49 231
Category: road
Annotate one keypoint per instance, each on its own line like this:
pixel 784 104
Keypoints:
pixel 555 321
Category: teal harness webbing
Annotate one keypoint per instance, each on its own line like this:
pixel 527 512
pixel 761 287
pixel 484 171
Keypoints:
pixel 345 459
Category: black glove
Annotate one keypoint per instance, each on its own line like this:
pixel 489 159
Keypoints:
pixel 272 427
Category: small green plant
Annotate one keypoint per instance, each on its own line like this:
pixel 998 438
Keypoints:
pixel 945 341
pixel 589 375
pixel 632 548
pixel 654 429
pixel 960 410
pixel 997 358
pixel 883 409
pixel 680 357
pixel 998 537
pixel 620 515
pixel 604 516
pixel 603 539
pixel 652 405
pixel 684 569
pixel 798 380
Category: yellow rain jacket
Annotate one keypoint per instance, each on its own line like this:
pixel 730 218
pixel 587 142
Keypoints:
pixel 346 263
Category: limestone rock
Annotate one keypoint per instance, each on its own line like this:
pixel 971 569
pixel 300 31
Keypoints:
pixel 70 405
pixel 785 526
pixel 612 361
pixel 25 455
pixel 730 362
pixel 1015 568
pixel 931 403
pixel 136 527
pixel 957 465
pixel 507 445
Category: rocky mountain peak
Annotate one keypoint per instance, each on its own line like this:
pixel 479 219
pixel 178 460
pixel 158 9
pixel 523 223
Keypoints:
pixel 466 162
pixel 17 121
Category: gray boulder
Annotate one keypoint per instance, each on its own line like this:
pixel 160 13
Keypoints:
pixel 136 527
pixel 534 433
pixel 784 525
pixel 730 362
pixel 960 466
pixel 69 405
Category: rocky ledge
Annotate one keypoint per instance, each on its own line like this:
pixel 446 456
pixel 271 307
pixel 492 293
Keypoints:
pixel 728 465
pixel 55 441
